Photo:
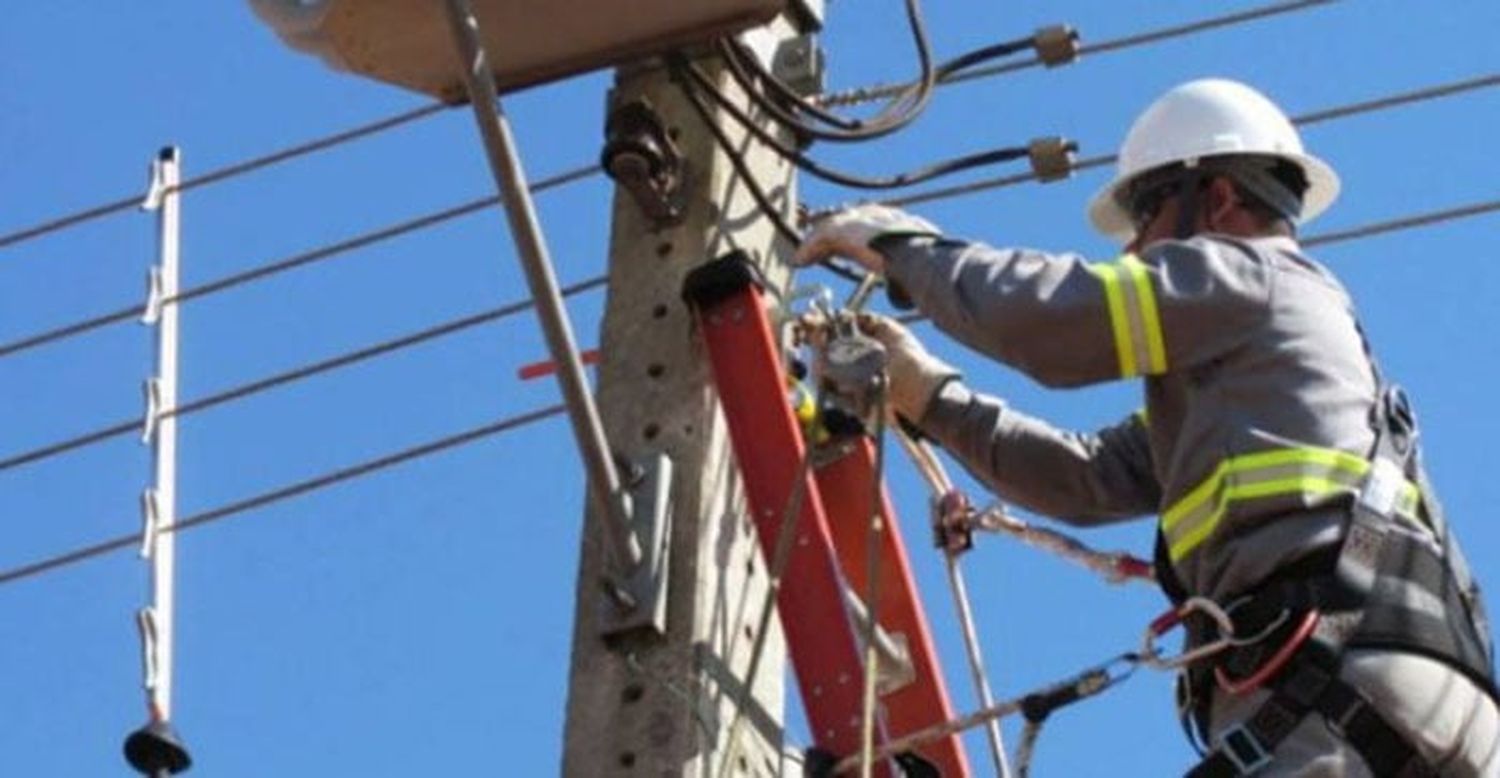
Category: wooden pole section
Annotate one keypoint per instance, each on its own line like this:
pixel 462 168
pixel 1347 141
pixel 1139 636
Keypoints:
pixel 663 706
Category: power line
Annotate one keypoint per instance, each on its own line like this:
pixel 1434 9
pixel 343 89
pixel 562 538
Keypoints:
pixel 444 329
pixel 294 490
pixel 365 468
pixel 309 257
pixel 224 173
pixel 1403 223
pixel 1395 100
pixel 885 91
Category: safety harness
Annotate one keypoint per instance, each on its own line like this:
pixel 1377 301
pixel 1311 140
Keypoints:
pixel 1384 586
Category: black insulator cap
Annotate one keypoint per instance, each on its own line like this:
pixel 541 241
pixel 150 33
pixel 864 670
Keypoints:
pixel 155 750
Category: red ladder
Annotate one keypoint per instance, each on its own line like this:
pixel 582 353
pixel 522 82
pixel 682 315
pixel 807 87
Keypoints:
pixel 830 534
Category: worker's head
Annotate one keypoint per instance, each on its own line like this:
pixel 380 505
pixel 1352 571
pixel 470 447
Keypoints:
pixel 1212 156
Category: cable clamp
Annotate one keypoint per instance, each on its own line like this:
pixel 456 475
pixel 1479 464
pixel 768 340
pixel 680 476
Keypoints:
pixel 1051 158
pixel 952 528
pixel 152 391
pixel 1056 45
pixel 145 622
pixel 150 522
pixel 155 295
pixel 156 190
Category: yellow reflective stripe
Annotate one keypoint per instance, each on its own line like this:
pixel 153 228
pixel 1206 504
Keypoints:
pixel 1156 347
pixel 1119 323
pixel 1313 472
pixel 1309 486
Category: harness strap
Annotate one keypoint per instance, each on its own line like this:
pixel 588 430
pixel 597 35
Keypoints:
pixel 1311 684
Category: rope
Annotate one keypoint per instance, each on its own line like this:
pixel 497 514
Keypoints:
pixel 1398 99
pixel 931 469
pixel 306 371
pixel 222 174
pixel 312 256
pixel 783 554
pixel 873 571
pixel 885 91
pixel 314 484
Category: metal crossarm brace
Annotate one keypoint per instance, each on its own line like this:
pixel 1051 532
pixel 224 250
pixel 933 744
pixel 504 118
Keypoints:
pixel 745 360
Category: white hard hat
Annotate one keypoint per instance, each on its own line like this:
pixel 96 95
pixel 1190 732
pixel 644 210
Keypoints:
pixel 1207 118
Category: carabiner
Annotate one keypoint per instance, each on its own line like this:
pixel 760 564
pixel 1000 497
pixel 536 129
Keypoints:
pixel 1151 656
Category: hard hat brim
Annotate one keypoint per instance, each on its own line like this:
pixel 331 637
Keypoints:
pixel 1106 215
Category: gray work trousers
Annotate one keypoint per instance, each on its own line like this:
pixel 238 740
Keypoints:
pixel 1441 713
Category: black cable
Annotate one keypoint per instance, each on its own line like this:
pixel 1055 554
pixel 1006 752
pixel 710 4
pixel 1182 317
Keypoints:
pixel 224 173
pixel 883 91
pixel 1410 97
pixel 306 371
pixel 752 185
pixel 898 113
pixel 294 490
pixel 802 161
pixel 280 266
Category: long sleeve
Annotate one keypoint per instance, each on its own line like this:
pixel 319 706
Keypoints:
pixel 1067 322
pixel 1080 479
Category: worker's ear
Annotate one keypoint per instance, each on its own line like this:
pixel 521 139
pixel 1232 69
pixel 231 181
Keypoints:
pixel 1220 200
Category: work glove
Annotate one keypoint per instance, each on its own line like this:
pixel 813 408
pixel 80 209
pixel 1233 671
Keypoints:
pixel 913 375
pixel 848 233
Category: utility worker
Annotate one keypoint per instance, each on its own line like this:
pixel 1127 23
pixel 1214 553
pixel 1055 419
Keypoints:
pixel 1282 465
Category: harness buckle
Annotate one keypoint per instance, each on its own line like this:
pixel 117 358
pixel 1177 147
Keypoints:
pixel 1243 749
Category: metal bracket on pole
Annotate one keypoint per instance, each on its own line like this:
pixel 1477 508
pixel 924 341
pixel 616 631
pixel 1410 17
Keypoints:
pixel 606 494
pixel 651 524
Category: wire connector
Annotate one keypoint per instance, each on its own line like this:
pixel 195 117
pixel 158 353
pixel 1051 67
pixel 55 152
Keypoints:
pixel 1056 45
pixel 1052 158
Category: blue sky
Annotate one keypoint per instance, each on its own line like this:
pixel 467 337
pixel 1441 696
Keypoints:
pixel 417 622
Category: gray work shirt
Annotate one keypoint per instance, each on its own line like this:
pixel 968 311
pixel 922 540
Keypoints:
pixel 1258 391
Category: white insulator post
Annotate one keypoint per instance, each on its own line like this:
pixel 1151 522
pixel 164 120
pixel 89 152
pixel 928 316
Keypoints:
pixel 154 749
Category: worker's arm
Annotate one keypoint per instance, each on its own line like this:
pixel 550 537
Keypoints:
pixel 1067 322
pixel 1080 479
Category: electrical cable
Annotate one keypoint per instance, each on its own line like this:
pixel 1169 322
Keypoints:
pixel 1412 97
pixel 884 91
pixel 309 257
pixel 898 113
pixel 757 192
pixel 224 173
pixel 802 161
pixel 306 371
pixel 298 489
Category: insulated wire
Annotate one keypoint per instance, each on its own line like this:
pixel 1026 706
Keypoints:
pixel 312 256
pixel 306 371
pixel 883 91
pixel 81 554
pixel 287 492
pixel 911 101
pixel 802 161
pixel 224 173
pixel 757 192
pixel 1398 99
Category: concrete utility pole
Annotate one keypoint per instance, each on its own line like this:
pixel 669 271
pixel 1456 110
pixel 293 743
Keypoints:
pixel 664 706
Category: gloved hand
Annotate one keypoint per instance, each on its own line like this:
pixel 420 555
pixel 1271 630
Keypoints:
pixel 914 375
pixel 848 233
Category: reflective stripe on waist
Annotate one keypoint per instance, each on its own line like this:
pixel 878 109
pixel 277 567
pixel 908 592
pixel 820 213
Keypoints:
pixel 1312 476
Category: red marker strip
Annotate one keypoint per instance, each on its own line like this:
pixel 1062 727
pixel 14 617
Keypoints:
pixel 548 367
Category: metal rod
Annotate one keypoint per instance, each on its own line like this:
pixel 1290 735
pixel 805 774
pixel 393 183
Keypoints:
pixel 605 494
pixel 976 662
pixel 160 547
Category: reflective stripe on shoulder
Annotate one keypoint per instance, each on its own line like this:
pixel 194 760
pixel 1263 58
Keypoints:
pixel 1133 316
pixel 1315 475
